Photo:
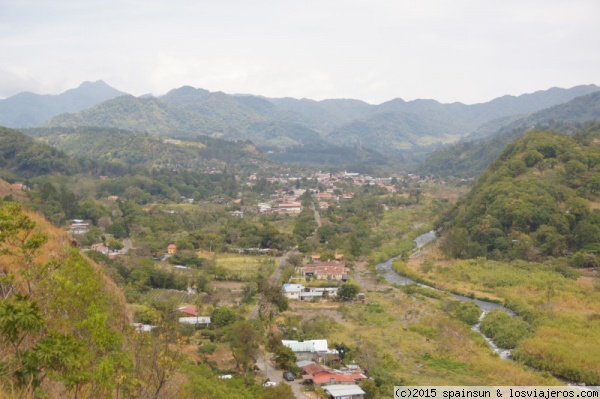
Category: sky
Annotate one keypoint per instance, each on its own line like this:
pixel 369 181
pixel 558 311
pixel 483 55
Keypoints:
pixel 468 51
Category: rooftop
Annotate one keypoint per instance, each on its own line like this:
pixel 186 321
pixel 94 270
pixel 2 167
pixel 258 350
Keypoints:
pixel 343 390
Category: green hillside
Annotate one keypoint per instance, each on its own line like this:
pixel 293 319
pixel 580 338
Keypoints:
pixel 469 158
pixel 538 199
pixel 394 127
pixel 118 145
pixel 24 157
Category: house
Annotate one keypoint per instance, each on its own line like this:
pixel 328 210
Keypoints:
pixel 344 391
pixel 139 327
pixel 292 291
pixel 196 321
pixel 78 227
pixel 302 293
pixel 171 249
pixel 315 350
pixel 339 273
pixel 320 375
pixel 318 292
pixel 189 310
pixel 100 247
pixel 293 207
pixel 239 214
pixel 264 208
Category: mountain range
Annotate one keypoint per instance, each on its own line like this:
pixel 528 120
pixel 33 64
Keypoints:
pixel 283 127
pixel 471 156
pixel 30 110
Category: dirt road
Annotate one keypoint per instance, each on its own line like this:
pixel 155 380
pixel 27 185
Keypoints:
pixel 273 280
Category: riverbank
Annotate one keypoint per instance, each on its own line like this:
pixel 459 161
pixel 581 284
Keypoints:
pixel 563 309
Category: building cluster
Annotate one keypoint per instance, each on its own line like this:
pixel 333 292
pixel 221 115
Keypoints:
pixel 332 273
pixel 338 383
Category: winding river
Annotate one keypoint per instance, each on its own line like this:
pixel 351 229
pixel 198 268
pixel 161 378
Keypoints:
pixel 385 270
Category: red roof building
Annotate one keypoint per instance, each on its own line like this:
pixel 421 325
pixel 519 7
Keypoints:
pixel 189 310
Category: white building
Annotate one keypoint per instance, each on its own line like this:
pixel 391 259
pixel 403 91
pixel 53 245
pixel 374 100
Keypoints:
pixel 344 391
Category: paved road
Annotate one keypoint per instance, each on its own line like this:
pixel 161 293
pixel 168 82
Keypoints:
pixel 269 372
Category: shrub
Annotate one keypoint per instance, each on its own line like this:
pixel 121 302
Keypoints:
pixel 466 311
pixel 504 330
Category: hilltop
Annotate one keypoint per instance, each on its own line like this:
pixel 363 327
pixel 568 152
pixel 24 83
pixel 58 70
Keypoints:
pixel 29 109
pixel 538 199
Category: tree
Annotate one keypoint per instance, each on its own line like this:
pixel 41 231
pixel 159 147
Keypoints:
pixel 114 245
pixel 343 349
pixel 244 342
pixel 348 291
pixel 285 358
pixel 224 316
pixel 274 295
pixel 278 391
pixel 295 259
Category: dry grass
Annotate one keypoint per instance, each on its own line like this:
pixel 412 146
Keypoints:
pixel 411 338
pixel 6 189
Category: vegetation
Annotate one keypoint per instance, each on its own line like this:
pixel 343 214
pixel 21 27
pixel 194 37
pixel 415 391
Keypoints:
pixel 533 202
pixel 527 236
pixel 506 331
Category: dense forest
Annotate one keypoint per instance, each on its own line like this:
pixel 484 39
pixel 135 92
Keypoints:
pixel 536 200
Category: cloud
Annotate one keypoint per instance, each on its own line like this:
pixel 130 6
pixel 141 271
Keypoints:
pixel 13 82
pixel 463 50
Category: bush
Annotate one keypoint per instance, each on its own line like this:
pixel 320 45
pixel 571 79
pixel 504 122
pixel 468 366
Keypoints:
pixel 466 311
pixel 504 330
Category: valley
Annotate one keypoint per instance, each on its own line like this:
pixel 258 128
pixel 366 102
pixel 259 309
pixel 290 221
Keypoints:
pixel 199 244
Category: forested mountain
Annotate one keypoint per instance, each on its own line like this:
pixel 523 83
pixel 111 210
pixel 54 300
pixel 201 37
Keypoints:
pixel 538 199
pixel 469 158
pixel 118 145
pixel 393 127
pixel 23 156
pixel 29 109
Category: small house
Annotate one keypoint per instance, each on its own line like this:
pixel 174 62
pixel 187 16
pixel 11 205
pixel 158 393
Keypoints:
pixel 171 249
pixel 344 391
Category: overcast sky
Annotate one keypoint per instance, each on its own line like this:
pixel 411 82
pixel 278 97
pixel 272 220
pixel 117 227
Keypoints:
pixel 374 50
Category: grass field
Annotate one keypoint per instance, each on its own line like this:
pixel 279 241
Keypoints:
pixel 410 339
pixel 562 307
pixel 173 296
pixel 241 267
pixel 286 225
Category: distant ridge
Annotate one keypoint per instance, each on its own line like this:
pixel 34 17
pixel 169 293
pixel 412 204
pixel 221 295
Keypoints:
pixel 470 157
pixel 395 127
pixel 30 110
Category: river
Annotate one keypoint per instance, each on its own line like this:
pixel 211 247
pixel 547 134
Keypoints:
pixel 385 270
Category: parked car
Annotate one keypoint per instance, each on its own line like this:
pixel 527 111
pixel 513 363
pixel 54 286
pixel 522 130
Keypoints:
pixel 288 376
pixel 269 384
